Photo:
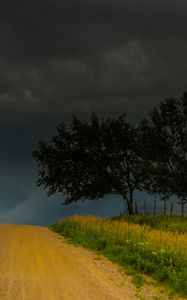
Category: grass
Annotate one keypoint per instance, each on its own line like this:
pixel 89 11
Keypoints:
pixel 144 249
pixel 174 224
pixel 139 280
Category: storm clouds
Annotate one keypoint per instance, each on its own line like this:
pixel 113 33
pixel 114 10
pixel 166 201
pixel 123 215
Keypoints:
pixel 59 58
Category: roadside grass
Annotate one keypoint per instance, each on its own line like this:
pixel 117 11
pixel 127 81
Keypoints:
pixel 157 253
pixel 166 223
pixel 138 280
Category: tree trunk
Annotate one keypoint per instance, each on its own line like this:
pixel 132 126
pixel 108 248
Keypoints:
pixel 182 203
pixel 130 203
pixel 165 207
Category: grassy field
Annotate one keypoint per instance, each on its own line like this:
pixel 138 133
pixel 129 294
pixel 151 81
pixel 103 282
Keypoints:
pixel 156 246
pixel 174 224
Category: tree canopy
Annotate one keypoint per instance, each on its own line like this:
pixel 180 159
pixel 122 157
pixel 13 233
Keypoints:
pixel 91 159
pixel 164 137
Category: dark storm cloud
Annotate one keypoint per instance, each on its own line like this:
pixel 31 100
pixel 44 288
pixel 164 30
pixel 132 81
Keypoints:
pixel 64 57
pixel 79 55
pixel 40 29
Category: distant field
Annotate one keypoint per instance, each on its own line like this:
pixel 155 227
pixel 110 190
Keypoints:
pixel 152 245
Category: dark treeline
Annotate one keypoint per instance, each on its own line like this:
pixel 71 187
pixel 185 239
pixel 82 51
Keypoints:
pixel 90 159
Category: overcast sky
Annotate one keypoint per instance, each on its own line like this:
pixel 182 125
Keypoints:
pixel 63 57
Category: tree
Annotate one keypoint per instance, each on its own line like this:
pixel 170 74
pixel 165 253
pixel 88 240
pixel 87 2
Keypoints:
pixel 91 159
pixel 164 141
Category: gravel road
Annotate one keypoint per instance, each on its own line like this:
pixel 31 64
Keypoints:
pixel 38 264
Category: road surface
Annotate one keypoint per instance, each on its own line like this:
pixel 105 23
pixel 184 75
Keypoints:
pixel 37 264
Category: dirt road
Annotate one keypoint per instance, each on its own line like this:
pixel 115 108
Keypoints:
pixel 37 264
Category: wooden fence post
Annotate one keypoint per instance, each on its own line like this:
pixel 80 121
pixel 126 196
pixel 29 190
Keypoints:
pixel 171 209
pixel 154 209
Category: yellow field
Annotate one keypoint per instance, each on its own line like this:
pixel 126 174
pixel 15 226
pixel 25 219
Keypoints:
pixel 125 231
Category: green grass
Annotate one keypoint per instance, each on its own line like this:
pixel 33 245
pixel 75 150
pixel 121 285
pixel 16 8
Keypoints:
pixel 138 280
pixel 166 266
pixel 174 224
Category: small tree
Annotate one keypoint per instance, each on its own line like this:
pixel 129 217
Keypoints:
pixel 91 159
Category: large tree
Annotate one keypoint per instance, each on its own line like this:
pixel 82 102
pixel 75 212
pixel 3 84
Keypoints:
pixel 90 159
pixel 164 147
